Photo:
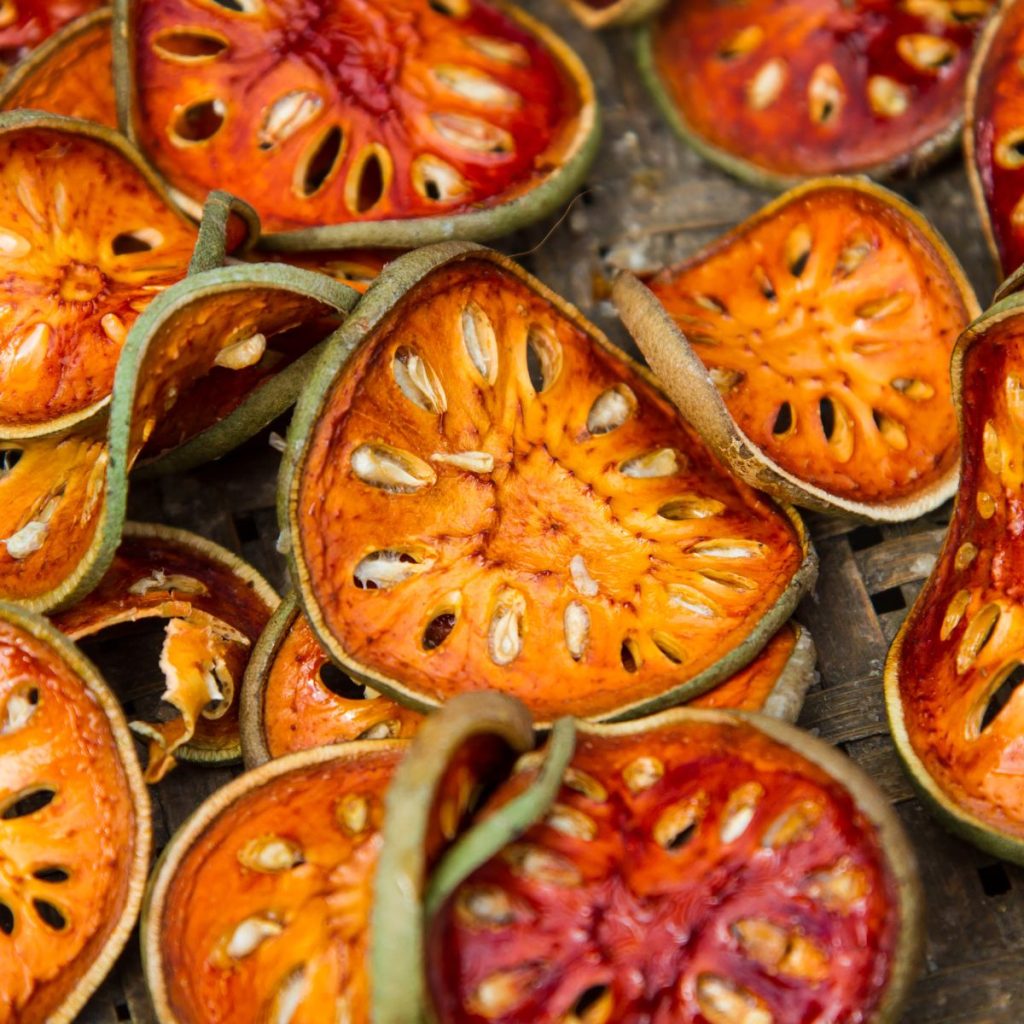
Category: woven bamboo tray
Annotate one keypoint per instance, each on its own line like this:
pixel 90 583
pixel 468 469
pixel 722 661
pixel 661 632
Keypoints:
pixel 650 200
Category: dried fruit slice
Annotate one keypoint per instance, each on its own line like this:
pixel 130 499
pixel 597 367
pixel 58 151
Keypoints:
pixel 481 492
pixel 810 347
pixel 605 13
pixel 697 866
pixel 294 697
pixel 74 824
pixel 369 123
pixel 70 74
pixel 358 268
pixel 215 605
pixel 952 676
pixel 87 239
pixel 24 24
pixel 994 136
pixel 778 90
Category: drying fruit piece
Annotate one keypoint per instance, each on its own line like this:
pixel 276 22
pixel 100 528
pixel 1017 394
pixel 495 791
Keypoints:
pixel 605 13
pixel 481 492
pixel 74 825
pixel 24 24
pixel 215 605
pixel 954 671
pixel 994 137
pixel 294 697
pixel 358 268
pixel 696 866
pixel 69 74
pixel 810 347
pixel 87 239
pixel 777 90
pixel 389 122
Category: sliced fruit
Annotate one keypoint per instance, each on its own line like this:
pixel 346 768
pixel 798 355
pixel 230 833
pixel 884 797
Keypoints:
pixel 810 347
pixel 953 673
pixel 778 90
pixel 606 13
pixel 358 268
pixel 481 492
pixel 74 825
pixel 24 24
pixel 294 697
pixel 215 605
pixel 994 136
pixel 87 239
pixel 698 866
pixel 70 74
pixel 358 123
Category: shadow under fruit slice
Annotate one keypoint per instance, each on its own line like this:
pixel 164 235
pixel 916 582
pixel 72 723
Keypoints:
pixel 294 697
pixel 953 673
pixel 777 91
pixel 74 824
pixel 696 866
pixel 215 605
pixel 366 123
pixel 810 347
pixel 24 24
pixel 70 74
pixel 481 492
pixel 87 239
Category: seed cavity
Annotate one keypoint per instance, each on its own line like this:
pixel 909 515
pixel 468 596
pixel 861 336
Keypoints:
pixel 388 729
pixel 391 469
pixel 652 465
pixel 793 825
pixel 572 822
pixel 500 993
pixel 965 555
pixel 852 256
pixel 766 85
pixel 739 811
pixel 484 906
pixel 473 134
pixel 642 774
pixel 381 570
pixel 584 784
pixel 159 581
pixel 576 625
pixel 29 801
pixel 725 381
pixel 353 814
pixel 747 40
pixel 999 694
pixel 543 358
pixel 678 824
pixel 505 633
pixel 337 682
pixel 611 409
pixel 887 97
pixel 319 163
pixel 729 547
pixel 417 380
pixel 723 1002
pixel 594 1006
pixel 826 94
pixel 991 449
pixel 6 919
pixel 286 115
pixel 779 950
pixel 630 656
pixel 838 428
pixel 481 463
pixel 52 876
pixel 369 178
pixel 690 506
pixel 537 864
pixel 734 581
pixel 977 634
pixel 437 180
pixel 691 600
pixel 21 706
pixel 839 887
pixel 189 46
pixel 954 613
pixel 985 502
pixel 241 354
pixel 669 646
pixel 270 854
pixel 52 916
pixel 439 628
pixel 893 432
pixel 584 583
pixel 797 249
pixel 250 934
pixel 784 420
pixel 711 304
pixel 480 341
pixel 450 8
pixel 198 122
pixel 288 998
pixel 476 86
pixel 501 50
pixel 926 53
pixel 914 389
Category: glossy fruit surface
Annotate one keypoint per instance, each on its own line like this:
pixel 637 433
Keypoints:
pixel 697 866
pixel 482 493
pixel 777 90
pixel 811 348
pixel 215 605
pixel 24 24
pixel 953 673
pixel 412 116
pixel 74 825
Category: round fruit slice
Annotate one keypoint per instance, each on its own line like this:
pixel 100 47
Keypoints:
pixel 481 492
pixel 24 24
pixel 777 90
pixel 294 698
pixel 215 605
pixel 994 137
pixel 953 674
pixel 70 74
pixel 390 122
pixel 74 825
pixel 606 13
pixel 810 347
pixel 697 866
pixel 87 239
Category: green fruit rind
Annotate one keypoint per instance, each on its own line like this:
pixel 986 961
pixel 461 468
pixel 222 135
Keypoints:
pixel 397 922
pixel 46 633
pixel 211 249
pixel 914 162
pixel 787 696
pixel 480 224
pixel 397 278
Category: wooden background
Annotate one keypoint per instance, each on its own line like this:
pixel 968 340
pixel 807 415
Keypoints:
pixel 650 200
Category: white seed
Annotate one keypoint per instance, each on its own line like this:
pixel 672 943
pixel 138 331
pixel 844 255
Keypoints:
pixel 270 854
pixel 572 822
pixel 887 97
pixel 926 52
pixel 283 544
pixel 247 352
pixel 729 547
pixel 391 469
pixel 380 570
pixel 471 462
pixel 659 463
pixel 584 583
pixel 724 380
pixel 12 244
pixel 737 823
pixel 248 936
pixel 723 1002
pixel 642 773
pixel 541 865
pixel 288 998
pixel 418 382
pixel 481 342
pixel 485 905
pixel 277 442
pixel 353 813
pixel 28 540
pixel 158 580
pixel 17 713
pixel 691 600
pixel 476 86
pixel 385 730
pixel 794 824
pixel 499 49
pixel 505 634
pixel 499 993
pixel 825 94
pixel 437 179
pixel 690 506
pixel 472 133
pixel 286 115
pixel 576 623
pixel 611 409
pixel 764 88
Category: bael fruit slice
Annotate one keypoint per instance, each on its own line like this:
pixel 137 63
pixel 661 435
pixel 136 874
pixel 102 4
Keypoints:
pixel 466 437
pixel 390 122
pixel 810 347
pixel 294 698
pixel 70 74
pixel 87 238
pixel 697 866
pixel 597 14
pixel 777 90
pixel 74 825
pixel 215 605
pixel 358 268
pixel 953 673
pixel 24 24
pixel 994 136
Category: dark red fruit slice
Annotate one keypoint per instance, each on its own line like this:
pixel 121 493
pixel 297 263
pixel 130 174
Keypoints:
pixel 697 868
pixel 24 24
pixel 777 90
pixel 324 115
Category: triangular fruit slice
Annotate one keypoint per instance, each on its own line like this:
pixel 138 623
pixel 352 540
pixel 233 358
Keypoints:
pixel 378 122
pixel 811 345
pixel 952 680
pixel 481 492
pixel 778 90
pixel 695 866
pixel 74 825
